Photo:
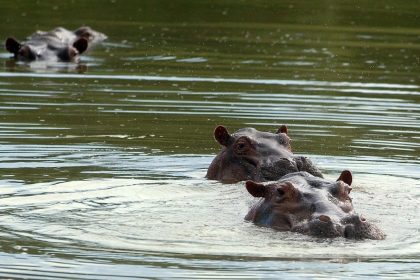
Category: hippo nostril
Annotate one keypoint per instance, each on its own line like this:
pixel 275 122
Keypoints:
pixel 354 219
pixel 324 218
pixel 349 231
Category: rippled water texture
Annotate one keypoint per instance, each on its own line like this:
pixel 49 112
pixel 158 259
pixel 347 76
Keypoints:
pixel 102 163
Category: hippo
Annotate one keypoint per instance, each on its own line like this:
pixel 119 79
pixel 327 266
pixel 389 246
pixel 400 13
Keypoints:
pixel 58 44
pixel 249 154
pixel 300 202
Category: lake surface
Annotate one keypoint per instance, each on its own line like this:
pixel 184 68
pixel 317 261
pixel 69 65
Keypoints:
pixel 102 163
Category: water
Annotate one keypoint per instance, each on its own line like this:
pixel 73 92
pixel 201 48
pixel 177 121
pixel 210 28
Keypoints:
pixel 102 163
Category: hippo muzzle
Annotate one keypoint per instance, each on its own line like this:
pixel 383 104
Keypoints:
pixel 353 226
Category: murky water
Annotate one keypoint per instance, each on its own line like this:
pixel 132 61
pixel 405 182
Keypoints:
pixel 102 163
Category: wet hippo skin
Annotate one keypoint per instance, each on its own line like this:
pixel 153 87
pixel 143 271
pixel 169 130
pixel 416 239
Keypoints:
pixel 58 44
pixel 301 202
pixel 249 154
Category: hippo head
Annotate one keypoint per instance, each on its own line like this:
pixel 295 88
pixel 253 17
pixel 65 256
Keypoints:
pixel 249 154
pixel 32 51
pixel 303 203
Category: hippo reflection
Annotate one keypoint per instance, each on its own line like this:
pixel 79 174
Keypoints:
pixel 59 44
pixel 303 203
pixel 249 154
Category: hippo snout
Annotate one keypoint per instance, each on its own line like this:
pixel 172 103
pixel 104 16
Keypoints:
pixel 357 227
pixel 323 226
pixel 352 227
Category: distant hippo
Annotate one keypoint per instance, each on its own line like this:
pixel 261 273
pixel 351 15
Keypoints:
pixel 303 203
pixel 59 44
pixel 249 154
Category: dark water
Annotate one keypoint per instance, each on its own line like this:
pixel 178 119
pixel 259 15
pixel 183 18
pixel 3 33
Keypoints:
pixel 102 162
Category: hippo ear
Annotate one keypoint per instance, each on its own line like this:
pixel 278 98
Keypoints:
pixel 12 45
pixel 222 135
pixel 346 177
pixel 282 129
pixel 256 189
pixel 80 45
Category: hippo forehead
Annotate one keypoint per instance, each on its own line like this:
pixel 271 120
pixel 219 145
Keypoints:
pixel 311 188
pixel 305 179
pixel 263 139
pixel 42 51
pixel 320 193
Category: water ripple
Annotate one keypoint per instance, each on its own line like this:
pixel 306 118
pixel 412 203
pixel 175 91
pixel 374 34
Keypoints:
pixel 211 80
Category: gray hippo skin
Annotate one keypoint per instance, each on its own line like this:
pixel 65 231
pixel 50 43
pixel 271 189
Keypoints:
pixel 300 202
pixel 59 44
pixel 249 154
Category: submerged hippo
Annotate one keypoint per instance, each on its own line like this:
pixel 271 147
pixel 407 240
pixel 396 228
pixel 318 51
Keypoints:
pixel 303 203
pixel 249 154
pixel 58 44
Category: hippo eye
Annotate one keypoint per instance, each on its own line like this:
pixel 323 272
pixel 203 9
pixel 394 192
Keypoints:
pixel 285 141
pixel 288 191
pixel 242 146
pixel 26 52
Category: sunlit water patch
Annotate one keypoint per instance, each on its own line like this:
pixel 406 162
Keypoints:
pixel 189 222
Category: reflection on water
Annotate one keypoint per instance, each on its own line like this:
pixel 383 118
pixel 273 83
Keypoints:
pixel 102 162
